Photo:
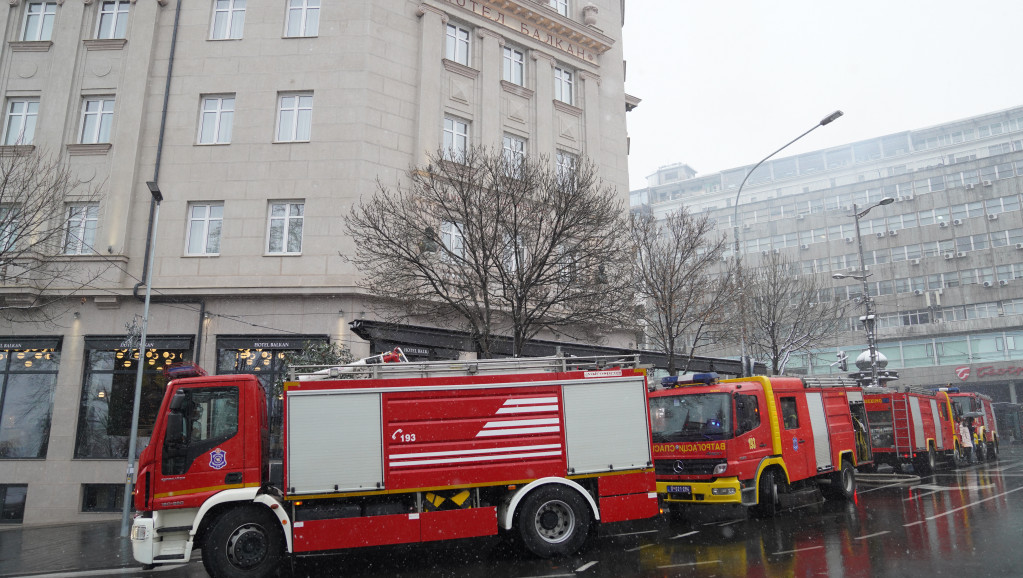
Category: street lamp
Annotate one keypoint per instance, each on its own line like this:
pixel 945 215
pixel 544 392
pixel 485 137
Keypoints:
pixel 154 190
pixel 735 227
pixel 869 319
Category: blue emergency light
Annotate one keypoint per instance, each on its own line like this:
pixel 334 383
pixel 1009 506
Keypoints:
pixel 701 378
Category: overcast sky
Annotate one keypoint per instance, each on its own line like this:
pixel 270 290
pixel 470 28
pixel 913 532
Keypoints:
pixel 724 83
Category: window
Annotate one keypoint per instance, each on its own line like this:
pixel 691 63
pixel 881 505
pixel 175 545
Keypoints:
pixel 108 392
pixel 228 19
pixel 456 138
pixel 10 220
pixel 514 154
pixel 789 415
pixel 303 18
pixel 452 238
pixel 28 380
pixel 514 65
pixel 97 116
pixel 560 5
pixel 207 417
pixel 80 234
pixel 216 120
pixel 204 223
pixel 39 18
pixel 12 503
pixel 294 117
pixel 102 497
pixel 113 19
pixel 563 84
pixel 456 47
pixel 20 122
pixel 566 165
pixel 285 222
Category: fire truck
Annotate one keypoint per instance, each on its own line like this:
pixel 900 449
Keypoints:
pixel 976 408
pixel 395 453
pixel 761 442
pixel 912 425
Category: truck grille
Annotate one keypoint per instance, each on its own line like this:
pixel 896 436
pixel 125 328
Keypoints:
pixel 692 467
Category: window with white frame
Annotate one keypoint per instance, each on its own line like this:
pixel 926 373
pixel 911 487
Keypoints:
pixel 294 117
pixel 80 228
pixel 303 18
pixel 284 227
pixel 10 219
pixel 563 84
pixel 228 19
pixel 514 154
pixel 20 121
pixel 566 164
pixel 205 220
pixel 39 17
pixel 456 47
pixel 97 117
pixel 514 65
pixel 560 5
pixel 113 19
pixel 216 119
pixel 456 138
pixel 452 238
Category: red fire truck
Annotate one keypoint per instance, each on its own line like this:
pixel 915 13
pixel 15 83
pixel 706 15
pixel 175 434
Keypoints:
pixel 912 425
pixel 976 408
pixel 757 441
pixel 395 453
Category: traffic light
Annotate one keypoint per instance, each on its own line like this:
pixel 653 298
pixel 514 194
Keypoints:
pixel 843 361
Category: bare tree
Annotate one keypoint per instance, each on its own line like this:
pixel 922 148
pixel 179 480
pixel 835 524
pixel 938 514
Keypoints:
pixel 509 246
pixel 786 312
pixel 681 302
pixel 36 191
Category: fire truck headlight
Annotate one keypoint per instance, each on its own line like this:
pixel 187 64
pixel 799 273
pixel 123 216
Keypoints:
pixel 720 469
pixel 722 491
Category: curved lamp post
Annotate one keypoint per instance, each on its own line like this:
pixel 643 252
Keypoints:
pixel 869 319
pixel 735 225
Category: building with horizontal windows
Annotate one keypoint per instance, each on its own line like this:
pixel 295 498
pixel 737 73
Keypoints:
pixel 945 259
pixel 260 123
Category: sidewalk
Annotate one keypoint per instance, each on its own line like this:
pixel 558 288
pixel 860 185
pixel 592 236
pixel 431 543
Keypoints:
pixel 45 549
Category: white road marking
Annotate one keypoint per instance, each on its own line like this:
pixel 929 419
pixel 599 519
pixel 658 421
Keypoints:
pixel 640 547
pixel 107 572
pixel 684 535
pixel 971 504
pixel 586 566
pixel 690 564
pixel 875 534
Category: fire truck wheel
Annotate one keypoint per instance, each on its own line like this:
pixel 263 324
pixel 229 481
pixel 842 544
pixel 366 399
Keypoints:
pixel 767 496
pixel 926 465
pixel 992 451
pixel 843 482
pixel 553 521
pixel 981 450
pixel 243 543
pixel 958 457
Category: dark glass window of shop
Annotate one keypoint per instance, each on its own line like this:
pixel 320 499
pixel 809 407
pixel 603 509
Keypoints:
pixel 28 378
pixel 108 393
pixel 12 503
pixel 103 497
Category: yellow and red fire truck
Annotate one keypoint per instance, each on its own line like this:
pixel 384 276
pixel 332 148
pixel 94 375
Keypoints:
pixel 912 425
pixel 976 409
pixel 756 441
pixel 395 453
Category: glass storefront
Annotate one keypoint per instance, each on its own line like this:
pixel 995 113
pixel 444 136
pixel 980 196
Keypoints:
pixel 28 379
pixel 108 393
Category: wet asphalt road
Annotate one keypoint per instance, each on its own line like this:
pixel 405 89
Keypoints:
pixel 965 523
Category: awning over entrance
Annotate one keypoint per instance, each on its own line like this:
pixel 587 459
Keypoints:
pixel 425 343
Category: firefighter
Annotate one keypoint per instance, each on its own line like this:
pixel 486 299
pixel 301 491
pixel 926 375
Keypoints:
pixel 967 438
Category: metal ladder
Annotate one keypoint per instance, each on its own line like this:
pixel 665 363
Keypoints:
pixel 464 367
pixel 900 422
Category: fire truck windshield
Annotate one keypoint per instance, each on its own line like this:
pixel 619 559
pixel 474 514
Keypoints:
pixel 691 417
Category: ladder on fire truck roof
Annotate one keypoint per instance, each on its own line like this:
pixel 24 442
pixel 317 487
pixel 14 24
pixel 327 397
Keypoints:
pixel 362 370
pixel 899 388
pixel 828 381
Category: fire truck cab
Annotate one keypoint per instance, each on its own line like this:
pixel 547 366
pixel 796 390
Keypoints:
pixel 978 411
pixel 756 441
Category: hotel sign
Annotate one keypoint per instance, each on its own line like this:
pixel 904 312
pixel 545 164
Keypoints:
pixel 531 22
pixel 965 372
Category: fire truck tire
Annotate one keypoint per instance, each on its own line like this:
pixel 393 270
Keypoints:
pixel 958 457
pixel 767 496
pixel 926 465
pixel 843 482
pixel 552 521
pixel 992 451
pixel 245 542
pixel 981 449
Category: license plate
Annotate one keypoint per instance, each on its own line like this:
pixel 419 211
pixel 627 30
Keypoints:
pixel 684 490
